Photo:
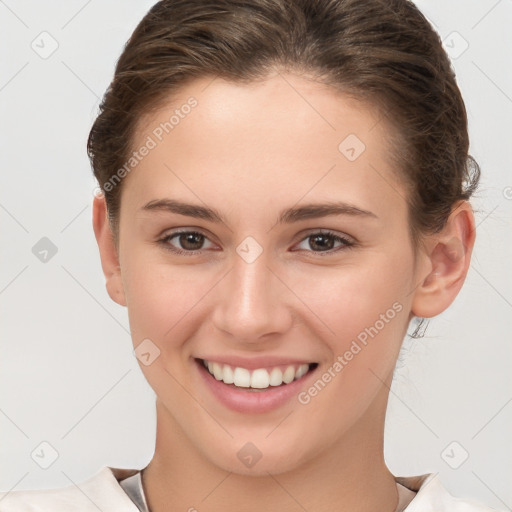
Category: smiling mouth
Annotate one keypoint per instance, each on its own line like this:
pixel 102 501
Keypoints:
pixel 258 379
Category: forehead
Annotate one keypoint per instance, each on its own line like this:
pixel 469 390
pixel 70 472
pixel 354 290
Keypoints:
pixel 276 140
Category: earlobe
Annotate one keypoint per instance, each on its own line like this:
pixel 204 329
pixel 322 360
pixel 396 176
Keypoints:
pixel 449 255
pixel 108 251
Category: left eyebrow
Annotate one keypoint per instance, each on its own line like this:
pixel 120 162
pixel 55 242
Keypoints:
pixel 318 210
pixel 287 216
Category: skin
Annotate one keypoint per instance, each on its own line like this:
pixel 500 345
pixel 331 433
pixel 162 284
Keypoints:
pixel 249 152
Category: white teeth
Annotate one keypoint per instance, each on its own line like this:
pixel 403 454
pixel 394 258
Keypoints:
pixel 217 371
pixel 258 379
pixel 228 375
pixel 276 377
pixel 302 370
pixel 242 378
pixel 289 374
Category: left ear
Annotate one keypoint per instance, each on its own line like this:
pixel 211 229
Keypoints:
pixel 449 254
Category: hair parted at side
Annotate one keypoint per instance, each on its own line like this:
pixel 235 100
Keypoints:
pixel 383 52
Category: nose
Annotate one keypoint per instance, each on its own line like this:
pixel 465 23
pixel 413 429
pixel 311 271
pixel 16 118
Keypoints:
pixel 253 303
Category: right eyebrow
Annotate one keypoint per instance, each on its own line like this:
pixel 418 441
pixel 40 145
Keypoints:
pixel 181 208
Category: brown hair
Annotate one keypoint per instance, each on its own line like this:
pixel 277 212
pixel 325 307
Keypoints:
pixel 383 52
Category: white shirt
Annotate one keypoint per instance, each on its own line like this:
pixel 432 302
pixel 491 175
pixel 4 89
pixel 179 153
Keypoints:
pixel 120 490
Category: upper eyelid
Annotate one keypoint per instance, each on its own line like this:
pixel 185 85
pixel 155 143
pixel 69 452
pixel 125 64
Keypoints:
pixel 325 231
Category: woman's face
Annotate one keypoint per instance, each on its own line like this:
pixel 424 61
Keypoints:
pixel 280 281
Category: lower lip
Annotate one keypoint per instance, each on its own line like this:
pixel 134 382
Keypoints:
pixel 247 400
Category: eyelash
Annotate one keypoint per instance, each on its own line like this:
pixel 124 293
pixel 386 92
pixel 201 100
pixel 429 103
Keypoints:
pixel 347 244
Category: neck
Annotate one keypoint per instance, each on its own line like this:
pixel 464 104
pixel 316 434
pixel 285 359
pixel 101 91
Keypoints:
pixel 350 476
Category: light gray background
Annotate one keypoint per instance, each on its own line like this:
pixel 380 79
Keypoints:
pixel 68 375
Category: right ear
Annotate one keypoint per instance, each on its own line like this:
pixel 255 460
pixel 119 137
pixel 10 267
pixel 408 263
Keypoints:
pixel 108 252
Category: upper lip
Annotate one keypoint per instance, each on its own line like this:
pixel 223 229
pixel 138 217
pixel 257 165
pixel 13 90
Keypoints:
pixel 256 362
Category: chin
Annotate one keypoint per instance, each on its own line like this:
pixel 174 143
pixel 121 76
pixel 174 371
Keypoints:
pixel 255 459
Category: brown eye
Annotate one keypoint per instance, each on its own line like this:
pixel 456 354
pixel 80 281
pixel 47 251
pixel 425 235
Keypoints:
pixel 191 241
pixel 184 242
pixel 323 242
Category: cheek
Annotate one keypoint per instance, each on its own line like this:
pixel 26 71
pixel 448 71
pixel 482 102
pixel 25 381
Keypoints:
pixel 162 304
pixel 162 298
pixel 368 315
pixel 352 298
pixel 363 311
